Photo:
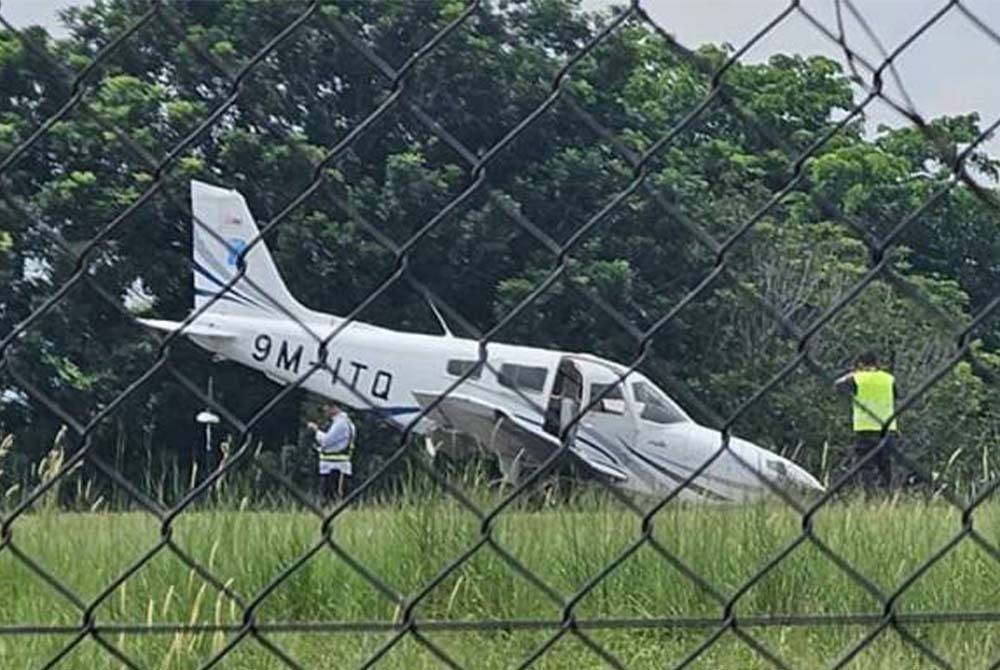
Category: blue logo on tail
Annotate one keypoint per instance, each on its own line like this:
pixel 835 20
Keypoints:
pixel 236 247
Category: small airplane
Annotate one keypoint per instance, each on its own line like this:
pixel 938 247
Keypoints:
pixel 516 402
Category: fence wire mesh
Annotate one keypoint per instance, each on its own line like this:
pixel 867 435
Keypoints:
pixel 268 93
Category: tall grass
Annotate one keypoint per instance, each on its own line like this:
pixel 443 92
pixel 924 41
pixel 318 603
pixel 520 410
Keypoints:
pixel 407 542
pixel 407 534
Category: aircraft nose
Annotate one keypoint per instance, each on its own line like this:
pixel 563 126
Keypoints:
pixel 779 470
pixel 788 475
pixel 732 471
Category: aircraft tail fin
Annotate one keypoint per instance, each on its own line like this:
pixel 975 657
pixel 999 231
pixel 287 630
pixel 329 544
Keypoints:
pixel 224 231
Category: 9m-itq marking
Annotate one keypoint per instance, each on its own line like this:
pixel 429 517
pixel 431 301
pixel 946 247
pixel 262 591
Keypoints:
pixel 515 403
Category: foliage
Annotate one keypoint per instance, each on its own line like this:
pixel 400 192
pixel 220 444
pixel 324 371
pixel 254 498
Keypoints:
pixel 305 95
pixel 407 543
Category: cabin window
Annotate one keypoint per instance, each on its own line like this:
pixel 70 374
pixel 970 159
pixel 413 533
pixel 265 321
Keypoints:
pixel 613 402
pixel 522 377
pixel 459 367
pixel 655 406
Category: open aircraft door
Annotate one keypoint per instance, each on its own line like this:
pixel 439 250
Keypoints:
pixel 565 399
pixel 613 414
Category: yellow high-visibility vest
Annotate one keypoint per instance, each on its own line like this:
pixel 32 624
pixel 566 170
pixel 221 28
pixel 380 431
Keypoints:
pixel 336 456
pixel 874 400
pixel 344 456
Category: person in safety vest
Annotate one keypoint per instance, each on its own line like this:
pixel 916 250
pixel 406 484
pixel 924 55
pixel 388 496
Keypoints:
pixel 873 394
pixel 335 448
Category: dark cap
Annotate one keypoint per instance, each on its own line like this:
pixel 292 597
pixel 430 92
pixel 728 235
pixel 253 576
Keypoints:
pixel 867 358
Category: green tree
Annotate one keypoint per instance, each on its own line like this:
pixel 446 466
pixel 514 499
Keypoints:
pixel 154 90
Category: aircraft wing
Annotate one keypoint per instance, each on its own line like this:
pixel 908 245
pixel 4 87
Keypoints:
pixel 511 437
pixel 194 329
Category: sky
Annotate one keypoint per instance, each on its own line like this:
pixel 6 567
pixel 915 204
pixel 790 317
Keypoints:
pixel 951 69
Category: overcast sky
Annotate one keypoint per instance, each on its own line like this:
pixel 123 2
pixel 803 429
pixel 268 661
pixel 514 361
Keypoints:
pixel 953 68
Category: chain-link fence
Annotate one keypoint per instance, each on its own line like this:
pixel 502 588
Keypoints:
pixel 526 172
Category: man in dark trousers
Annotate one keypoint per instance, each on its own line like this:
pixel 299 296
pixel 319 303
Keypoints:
pixel 335 448
pixel 873 393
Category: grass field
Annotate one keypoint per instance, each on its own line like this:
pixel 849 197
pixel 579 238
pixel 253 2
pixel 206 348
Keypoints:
pixel 407 545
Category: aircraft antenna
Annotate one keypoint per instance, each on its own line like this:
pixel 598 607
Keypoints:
pixel 444 324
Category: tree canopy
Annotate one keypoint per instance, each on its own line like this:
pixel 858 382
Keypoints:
pixel 275 119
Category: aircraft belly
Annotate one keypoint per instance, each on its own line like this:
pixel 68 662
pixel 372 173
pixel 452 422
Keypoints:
pixel 656 470
pixel 665 469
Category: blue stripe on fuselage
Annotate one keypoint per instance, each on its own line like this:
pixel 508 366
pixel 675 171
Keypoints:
pixel 222 296
pixel 207 274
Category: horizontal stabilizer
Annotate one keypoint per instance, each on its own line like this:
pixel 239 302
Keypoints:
pixel 191 329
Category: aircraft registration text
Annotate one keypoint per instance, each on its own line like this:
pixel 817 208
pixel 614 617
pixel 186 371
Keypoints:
pixel 356 375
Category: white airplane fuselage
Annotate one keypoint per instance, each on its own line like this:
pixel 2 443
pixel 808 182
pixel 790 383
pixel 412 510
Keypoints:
pixel 522 404
pixel 374 369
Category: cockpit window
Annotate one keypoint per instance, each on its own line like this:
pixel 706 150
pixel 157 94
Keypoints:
pixel 613 402
pixel 656 407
